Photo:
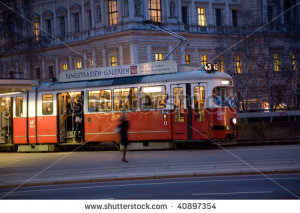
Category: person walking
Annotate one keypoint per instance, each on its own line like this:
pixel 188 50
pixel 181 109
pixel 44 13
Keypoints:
pixel 123 128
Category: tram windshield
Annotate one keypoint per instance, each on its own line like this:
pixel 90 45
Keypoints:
pixel 223 96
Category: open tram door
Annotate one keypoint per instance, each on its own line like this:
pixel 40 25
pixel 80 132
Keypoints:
pixel 70 117
pixel 181 116
pixel 6 120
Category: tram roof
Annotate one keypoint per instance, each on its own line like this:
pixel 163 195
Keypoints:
pixel 173 77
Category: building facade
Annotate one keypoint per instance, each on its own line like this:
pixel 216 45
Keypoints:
pixel 257 42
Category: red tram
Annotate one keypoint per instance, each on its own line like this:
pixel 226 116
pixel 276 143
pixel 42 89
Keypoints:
pixel 164 109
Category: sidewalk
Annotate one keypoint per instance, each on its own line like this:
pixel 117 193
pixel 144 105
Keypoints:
pixel 58 168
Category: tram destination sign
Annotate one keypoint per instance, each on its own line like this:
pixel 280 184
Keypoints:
pixel 97 73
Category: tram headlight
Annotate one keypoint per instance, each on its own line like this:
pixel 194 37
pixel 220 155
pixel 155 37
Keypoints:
pixel 234 121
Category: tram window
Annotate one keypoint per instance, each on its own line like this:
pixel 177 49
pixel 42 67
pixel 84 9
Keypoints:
pixel 47 104
pixel 223 96
pixel 126 99
pixel 100 101
pixel 153 97
pixel 19 106
pixel 178 104
pixel 199 103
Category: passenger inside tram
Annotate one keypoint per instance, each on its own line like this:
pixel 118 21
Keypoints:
pixel 5 123
pixel 223 96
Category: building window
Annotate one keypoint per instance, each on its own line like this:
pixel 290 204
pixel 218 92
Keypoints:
pixel 36 30
pixel 159 57
pixel 172 9
pixel 62 26
pixel 98 13
pixel 221 63
pixel 112 12
pixel 218 17
pixel 203 59
pixel 238 68
pixel 38 73
pixel 65 67
pixel 92 63
pixel 276 62
pixel 76 23
pixel 184 15
pixel 294 62
pixel 234 18
pixel 78 65
pixel 50 71
pixel 201 17
pixel 270 13
pixel 113 61
pixel 125 8
pixel 137 6
pixel 89 19
pixel 49 27
pixel 187 58
pixel 155 10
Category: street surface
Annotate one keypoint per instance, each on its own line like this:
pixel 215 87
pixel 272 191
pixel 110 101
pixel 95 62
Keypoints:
pixel 284 186
pixel 35 169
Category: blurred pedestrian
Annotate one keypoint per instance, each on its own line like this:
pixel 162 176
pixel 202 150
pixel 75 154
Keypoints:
pixel 123 128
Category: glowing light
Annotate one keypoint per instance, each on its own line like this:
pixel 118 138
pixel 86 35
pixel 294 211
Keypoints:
pixel 151 89
pixel 226 82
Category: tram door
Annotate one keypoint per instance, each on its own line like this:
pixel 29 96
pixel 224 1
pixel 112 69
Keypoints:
pixel 181 111
pixel 70 117
pixel 6 121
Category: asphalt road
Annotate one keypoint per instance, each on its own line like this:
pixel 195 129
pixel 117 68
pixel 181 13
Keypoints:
pixel 284 186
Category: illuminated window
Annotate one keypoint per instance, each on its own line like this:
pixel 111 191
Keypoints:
pixel 199 102
pixel 154 10
pixel 92 63
pixel 153 97
pixel 187 59
pixel 19 106
pixel 201 16
pixel 178 104
pixel 203 59
pixel 78 65
pixel 276 62
pixel 113 61
pixel 100 101
pixel 159 57
pixel 112 12
pixel 294 62
pixel 65 67
pixel 125 99
pixel 221 64
pixel 47 104
pixel 237 60
pixel 36 30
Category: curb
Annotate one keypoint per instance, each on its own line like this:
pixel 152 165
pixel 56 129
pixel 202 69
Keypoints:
pixel 99 180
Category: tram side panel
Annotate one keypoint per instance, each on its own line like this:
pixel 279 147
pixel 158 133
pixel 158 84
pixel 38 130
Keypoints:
pixel 144 125
pixel 20 119
pixel 32 117
pixel 46 118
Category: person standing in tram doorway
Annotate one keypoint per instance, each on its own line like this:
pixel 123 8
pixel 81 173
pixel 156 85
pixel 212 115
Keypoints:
pixel 5 122
pixel 123 129
pixel 78 119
